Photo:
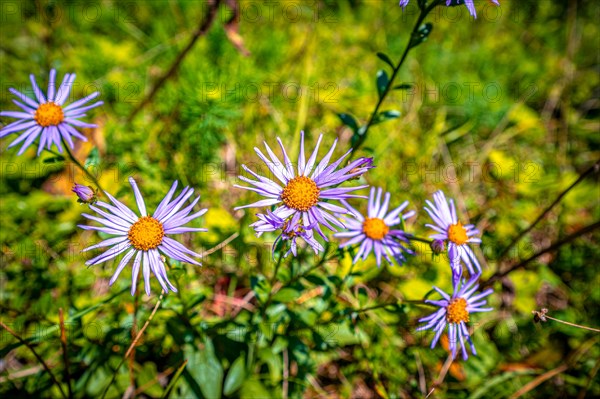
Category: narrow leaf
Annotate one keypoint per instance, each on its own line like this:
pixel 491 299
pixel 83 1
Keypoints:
pixel 403 86
pixel 421 35
pixel 56 159
pixel 174 380
pixel 235 376
pixel 349 121
pixel 382 82
pixel 386 116
pixel 386 59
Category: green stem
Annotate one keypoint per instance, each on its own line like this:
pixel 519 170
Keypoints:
pixel 80 166
pixel 419 239
pixel 424 11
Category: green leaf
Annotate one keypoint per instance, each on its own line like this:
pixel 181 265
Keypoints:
pixel 286 295
pixel 174 380
pixel 205 369
pixel 403 86
pixel 260 286
pixel 349 121
pixel 421 35
pixel 235 376
pixel 382 82
pixel 385 59
pixel 93 158
pixel 386 116
pixel 56 159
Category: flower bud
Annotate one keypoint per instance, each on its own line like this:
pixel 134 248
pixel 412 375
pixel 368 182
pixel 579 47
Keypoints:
pixel 85 194
pixel 363 165
pixel 437 246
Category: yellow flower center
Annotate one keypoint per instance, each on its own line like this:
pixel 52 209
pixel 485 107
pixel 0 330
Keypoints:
pixel 147 233
pixel 49 114
pixel 456 311
pixel 375 228
pixel 457 234
pixel 301 193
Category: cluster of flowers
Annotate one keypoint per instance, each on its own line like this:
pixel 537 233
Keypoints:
pixel 299 206
pixel 301 210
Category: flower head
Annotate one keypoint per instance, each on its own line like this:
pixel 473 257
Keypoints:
pixel 303 195
pixel 291 230
pixel 374 232
pixel 48 117
pixel 437 246
pixel 452 3
pixel 455 312
pixel 85 194
pixel 449 228
pixel 145 236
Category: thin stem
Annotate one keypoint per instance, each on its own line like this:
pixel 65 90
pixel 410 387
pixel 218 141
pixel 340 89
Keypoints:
pixel 63 343
pixel 388 87
pixel 274 277
pixel 38 357
pixel 442 375
pixel 202 29
pixel 146 324
pixel 80 166
pixel 131 362
pixel 419 239
pixel 133 344
pixel 499 274
pixel 572 324
pixel 593 169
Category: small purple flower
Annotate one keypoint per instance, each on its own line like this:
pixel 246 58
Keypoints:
pixel 452 3
pixel 145 236
pixel 85 194
pixel 48 118
pixel 306 193
pixel 437 246
pixel 290 228
pixel 454 312
pixel 373 232
pixel 449 228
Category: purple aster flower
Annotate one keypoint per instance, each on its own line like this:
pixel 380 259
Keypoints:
pixel 290 228
pixel 450 229
pixel 454 312
pixel 85 194
pixel 373 231
pixel 451 3
pixel 145 236
pixel 48 117
pixel 306 192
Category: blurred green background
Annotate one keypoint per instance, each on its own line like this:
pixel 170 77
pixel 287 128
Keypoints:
pixel 503 115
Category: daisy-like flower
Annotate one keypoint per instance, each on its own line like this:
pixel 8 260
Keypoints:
pixel 373 231
pixel 291 230
pixel 48 117
pixel 145 236
pixel 449 228
pixel 451 3
pixel 454 312
pixel 304 194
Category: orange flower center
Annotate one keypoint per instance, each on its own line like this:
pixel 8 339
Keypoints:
pixel 457 234
pixel 147 233
pixel 375 228
pixel 301 193
pixel 456 311
pixel 49 114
